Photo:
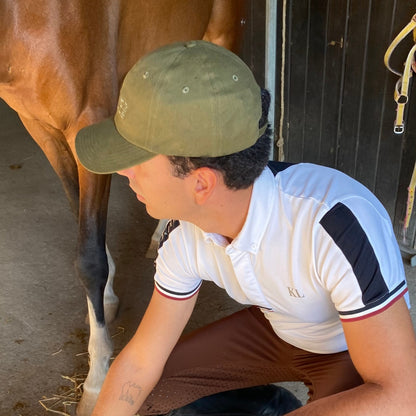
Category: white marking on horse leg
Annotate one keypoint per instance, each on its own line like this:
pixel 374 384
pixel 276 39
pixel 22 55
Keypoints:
pixel 154 242
pixel 111 301
pixel 100 348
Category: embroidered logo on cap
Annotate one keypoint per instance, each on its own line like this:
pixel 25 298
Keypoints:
pixel 122 107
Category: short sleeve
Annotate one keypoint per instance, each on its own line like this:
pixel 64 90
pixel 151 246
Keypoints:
pixel 359 261
pixel 174 277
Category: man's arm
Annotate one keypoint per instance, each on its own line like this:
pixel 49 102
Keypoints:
pixel 139 365
pixel 383 350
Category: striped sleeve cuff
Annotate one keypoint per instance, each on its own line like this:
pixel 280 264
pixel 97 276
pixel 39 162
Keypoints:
pixel 176 295
pixel 375 308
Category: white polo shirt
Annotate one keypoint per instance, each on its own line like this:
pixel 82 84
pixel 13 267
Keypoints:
pixel 317 248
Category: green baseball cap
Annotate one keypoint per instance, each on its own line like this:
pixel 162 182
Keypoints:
pixel 184 99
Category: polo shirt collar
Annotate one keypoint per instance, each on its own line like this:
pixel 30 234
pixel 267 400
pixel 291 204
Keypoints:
pixel 260 209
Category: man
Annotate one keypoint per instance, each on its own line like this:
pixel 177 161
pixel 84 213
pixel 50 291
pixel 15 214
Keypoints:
pixel 311 249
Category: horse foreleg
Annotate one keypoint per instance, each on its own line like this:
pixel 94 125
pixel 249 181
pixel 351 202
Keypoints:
pixel 88 198
pixel 154 241
pixel 100 349
pixel 93 270
pixel 111 300
pixel 59 154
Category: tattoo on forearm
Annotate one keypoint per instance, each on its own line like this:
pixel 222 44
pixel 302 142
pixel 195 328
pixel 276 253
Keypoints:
pixel 130 392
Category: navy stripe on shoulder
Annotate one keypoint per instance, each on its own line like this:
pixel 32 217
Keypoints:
pixel 170 226
pixel 347 233
pixel 277 167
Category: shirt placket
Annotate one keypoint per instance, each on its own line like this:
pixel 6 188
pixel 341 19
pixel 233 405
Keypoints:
pixel 243 268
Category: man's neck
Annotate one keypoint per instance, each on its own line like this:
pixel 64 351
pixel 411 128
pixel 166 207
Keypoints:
pixel 226 213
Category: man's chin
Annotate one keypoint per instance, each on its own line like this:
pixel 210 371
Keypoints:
pixel 152 214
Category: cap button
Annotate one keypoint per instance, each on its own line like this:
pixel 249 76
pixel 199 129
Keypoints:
pixel 190 44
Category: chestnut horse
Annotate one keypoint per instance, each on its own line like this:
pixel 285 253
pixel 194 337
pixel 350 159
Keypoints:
pixel 61 67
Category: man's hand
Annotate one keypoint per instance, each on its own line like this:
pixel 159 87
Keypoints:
pixel 138 367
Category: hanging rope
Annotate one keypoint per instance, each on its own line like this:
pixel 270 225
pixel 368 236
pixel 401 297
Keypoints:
pixel 281 141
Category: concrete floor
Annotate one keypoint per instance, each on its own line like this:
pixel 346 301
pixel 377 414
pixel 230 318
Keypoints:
pixel 42 305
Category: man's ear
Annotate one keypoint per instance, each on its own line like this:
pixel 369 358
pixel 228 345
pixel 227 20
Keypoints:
pixel 205 182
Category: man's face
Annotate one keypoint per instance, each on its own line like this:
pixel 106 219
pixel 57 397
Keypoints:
pixel 164 195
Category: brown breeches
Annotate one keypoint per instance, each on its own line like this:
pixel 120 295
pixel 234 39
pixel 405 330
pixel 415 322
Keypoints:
pixel 242 350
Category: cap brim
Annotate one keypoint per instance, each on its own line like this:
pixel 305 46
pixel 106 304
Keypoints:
pixel 101 149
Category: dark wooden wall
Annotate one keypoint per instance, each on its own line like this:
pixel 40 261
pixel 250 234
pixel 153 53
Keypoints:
pixel 338 95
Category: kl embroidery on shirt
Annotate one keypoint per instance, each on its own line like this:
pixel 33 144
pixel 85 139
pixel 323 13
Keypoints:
pixel 295 292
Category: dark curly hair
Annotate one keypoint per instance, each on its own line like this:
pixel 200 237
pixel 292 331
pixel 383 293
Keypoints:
pixel 239 169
